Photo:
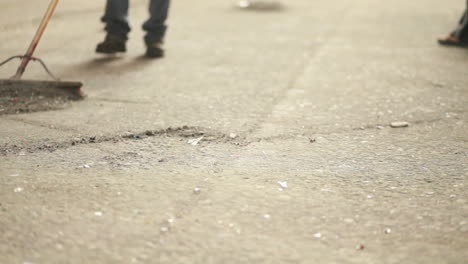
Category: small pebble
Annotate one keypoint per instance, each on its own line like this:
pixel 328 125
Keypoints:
pixel 399 124
pixel 98 213
pixel 18 189
pixel 283 184
pixel 195 141
pixel 196 190
pixel 263 5
pixel 388 231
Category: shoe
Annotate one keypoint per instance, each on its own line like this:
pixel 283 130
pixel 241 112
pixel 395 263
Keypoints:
pixel 154 50
pixel 111 45
pixel 452 41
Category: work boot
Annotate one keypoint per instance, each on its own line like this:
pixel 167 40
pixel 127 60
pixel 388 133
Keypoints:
pixel 111 45
pixel 154 49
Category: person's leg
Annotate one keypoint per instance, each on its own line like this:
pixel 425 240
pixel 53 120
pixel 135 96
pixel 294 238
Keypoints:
pixel 117 27
pixel 458 37
pixel 462 30
pixel 155 26
pixel 115 18
pixel 104 17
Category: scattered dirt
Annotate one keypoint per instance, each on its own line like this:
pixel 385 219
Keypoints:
pixel 185 132
pixel 27 96
pixel 20 104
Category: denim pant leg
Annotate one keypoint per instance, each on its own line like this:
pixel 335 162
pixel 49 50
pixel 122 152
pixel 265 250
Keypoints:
pixel 463 35
pixel 461 32
pixel 155 26
pixel 116 18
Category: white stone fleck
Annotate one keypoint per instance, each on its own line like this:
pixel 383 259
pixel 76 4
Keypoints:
pixel 399 124
pixel 195 141
pixel 283 184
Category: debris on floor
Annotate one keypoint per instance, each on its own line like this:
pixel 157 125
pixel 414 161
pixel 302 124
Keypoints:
pixel 399 124
pixel 283 185
pixel 98 213
pixel 195 141
pixel 27 99
pixel 258 5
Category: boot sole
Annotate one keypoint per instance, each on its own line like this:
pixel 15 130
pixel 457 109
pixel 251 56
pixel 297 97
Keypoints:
pixel 109 51
pixel 154 55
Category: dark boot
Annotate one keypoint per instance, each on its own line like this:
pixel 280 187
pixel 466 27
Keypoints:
pixel 154 49
pixel 111 45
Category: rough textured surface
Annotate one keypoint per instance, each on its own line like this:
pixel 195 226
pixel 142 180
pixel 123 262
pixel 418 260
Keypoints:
pixel 260 138
pixel 26 96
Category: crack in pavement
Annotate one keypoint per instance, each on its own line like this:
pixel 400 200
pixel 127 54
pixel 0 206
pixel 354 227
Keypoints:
pixel 182 132
pixel 298 73
pixel 41 124
pixel 111 100
pixel 376 126
pixel 188 132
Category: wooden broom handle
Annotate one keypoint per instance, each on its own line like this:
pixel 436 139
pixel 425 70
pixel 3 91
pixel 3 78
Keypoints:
pixel 32 47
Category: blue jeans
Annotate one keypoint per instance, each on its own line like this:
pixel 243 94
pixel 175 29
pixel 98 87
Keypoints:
pixel 117 24
pixel 461 32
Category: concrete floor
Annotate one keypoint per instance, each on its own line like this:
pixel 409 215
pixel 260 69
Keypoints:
pixel 302 97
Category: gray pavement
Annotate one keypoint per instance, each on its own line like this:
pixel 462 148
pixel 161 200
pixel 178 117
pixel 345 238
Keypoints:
pixel 304 96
